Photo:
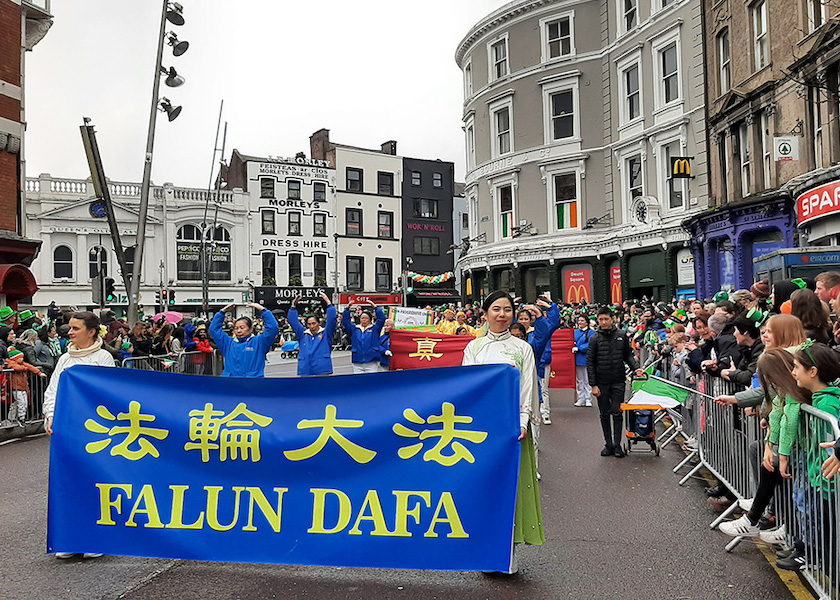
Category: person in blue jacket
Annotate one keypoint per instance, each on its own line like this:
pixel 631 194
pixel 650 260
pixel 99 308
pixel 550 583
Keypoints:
pixel 539 336
pixel 314 356
pixel 385 345
pixel 244 352
pixel 364 339
pixel 582 335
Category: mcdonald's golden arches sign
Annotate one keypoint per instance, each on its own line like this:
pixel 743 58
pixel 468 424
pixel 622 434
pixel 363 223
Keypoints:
pixel 680 167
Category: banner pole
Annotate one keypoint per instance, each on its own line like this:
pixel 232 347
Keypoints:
pixel 688 389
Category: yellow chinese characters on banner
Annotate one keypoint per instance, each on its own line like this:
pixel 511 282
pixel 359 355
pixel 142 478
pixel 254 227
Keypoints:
pixel 426 349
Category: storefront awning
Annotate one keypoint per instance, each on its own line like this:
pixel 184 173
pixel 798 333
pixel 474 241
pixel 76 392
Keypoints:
pixel 16 282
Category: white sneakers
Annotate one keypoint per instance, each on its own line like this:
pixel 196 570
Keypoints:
pixel 746 504
pixel 740 527
pixel 64 555
pixel 774 536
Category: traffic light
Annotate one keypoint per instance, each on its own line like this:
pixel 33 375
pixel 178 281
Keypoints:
pixel 164 300
pixel 409 285
pixel 399 282
pixel 110 290
pixel 157 297
pixel 171 297
pixel 96 281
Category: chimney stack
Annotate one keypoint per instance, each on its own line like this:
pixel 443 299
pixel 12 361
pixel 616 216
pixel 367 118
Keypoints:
pixel 389 147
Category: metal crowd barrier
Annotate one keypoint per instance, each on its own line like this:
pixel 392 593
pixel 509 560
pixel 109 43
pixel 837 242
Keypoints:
pixel 33 386
pixel 187 363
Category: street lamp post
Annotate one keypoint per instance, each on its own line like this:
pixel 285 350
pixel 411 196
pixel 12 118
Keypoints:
pixel 172 13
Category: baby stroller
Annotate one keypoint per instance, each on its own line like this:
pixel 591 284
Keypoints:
pixel 640 427
pixel 290 346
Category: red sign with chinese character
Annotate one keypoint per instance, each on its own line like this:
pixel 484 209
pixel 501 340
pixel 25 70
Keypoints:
pixel 375 298
pixel 615 285
pixel 818 202
pixel 420 349
pixel 577 284
pixel 562 373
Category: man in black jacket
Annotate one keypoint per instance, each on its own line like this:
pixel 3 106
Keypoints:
pixel 749 340
pixel 609 351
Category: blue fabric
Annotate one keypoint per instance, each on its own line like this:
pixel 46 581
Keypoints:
pixel 244 358
pixel 365 343
pixel 189 335
pixel 209 476
pixel 314 355
pixel 385 346
pixel 540 338
pixel 582 342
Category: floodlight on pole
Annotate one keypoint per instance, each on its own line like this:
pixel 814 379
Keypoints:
pixel 172 112
pixel 175 13
pixel 178 47
pixel 172 78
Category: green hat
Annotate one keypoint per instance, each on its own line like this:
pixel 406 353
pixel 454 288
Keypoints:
pixel 7 313
pixel 757 316
pixel 15 354
pixel 126 345
pixel 669 323
pixel 25 314
pixel 721 296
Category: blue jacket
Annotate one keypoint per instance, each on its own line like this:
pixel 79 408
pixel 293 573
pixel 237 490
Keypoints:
pixel 365 343
pixel 189 336
pixel 385 346
pixel 540 338
pixel 244 357
pixel 314 354
pixel 582 343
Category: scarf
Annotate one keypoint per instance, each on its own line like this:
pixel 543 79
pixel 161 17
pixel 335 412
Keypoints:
pixel 80 352
pixel 54 346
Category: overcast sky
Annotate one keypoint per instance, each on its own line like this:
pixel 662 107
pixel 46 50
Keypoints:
pixel 368 70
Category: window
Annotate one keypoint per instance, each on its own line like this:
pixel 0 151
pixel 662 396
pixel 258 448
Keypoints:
pixel 294 223
pixel 319 191
pixel 565 201
pixel 465 220
pixel 759 22
pixel 506 210
pixel 666 3
pixel 744 155
pixel 385 183
pixel 294 269
pixel 425 209
pixel 354 222
pixel 723 160
pixel 267 217
pixel 188 246
pixel 670 74
pixel 766 148
pixel 269 269
pixel 633 105
pixel 320 271
pixel 218 251
pixel 98 261
pixel 62 262
pixel 470 133
pixel 723 61
pixel 816 14
pixel 437 180
pixel 386 224
pixel 675 188
pixel 562 115
pixel 319 225
pixel 816 116
pixel 354 180
pixel 498 59
pixel 383 274
pixel 266 187
pixel 501 118
pixel 355 272
pixel 631 15
pixel 559 37
pixel 416 178
pixel 634 177
pixel 427 246
pixel 293 189
pixel 468 81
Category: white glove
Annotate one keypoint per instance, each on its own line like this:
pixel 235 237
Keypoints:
pixel 574 349
pixel 389 353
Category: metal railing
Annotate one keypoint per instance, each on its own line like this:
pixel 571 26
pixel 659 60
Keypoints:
pixel 21 399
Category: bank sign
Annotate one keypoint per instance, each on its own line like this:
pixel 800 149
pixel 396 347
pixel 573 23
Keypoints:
pixel 818 202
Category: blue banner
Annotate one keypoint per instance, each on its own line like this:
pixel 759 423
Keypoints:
pixel 409 469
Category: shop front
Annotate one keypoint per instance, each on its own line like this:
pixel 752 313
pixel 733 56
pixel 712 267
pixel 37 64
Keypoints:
pixel 818 209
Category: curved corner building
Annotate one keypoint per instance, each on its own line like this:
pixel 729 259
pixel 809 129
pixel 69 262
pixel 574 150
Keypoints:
pixel 585 139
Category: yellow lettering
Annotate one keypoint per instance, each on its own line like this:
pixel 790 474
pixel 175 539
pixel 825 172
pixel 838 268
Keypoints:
pixel 147 497
pixel 403 512
pixel 268 512
pixel 177 519
pixel 447 505
pixel 106 503
pixel 213 507
pixel 376 516
pixel 318 509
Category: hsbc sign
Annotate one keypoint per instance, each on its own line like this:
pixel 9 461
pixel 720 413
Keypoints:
pixel 818 202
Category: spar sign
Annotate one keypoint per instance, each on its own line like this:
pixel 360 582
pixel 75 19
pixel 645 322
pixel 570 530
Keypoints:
pixel 818 202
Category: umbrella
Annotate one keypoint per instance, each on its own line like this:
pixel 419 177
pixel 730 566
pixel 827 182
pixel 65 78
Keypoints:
pixel 171 316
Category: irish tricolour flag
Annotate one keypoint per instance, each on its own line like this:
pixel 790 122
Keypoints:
pixel 657 392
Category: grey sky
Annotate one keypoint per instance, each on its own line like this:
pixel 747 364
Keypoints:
pixel 368 70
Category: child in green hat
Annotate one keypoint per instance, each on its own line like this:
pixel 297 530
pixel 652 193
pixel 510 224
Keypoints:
pixel 20 384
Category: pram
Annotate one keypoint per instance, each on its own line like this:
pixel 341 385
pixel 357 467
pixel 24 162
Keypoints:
pixel 290 346
pixel 640 426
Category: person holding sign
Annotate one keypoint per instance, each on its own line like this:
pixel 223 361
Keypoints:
pixel 498 346
pixel 314 355
pixel 364 339
pixel 244 352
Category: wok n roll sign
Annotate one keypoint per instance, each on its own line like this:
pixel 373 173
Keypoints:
pixel 411 469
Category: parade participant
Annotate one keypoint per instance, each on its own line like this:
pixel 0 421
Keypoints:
pixel 364 339
pixel 314 354
pixel 609 350
pixel 385 345
pixel 85 349
pixel 461 317
pixel 244 352
pixel 498 346
pixel 582 335
pixel 448 325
